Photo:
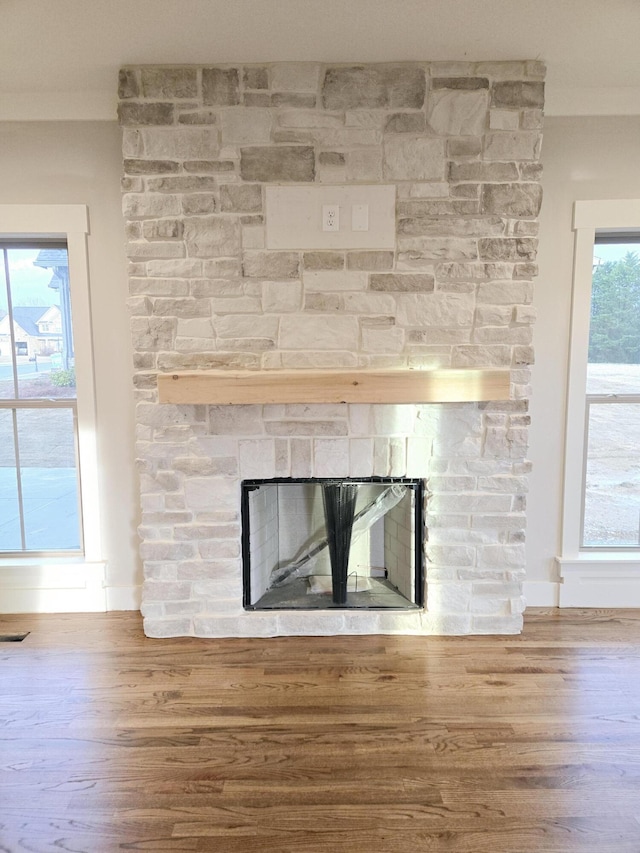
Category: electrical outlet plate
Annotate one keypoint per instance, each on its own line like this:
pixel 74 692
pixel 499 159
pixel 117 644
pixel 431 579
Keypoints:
pixel 330 217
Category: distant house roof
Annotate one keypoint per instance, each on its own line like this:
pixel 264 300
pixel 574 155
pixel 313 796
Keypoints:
pixel 27 318
pixel 50 258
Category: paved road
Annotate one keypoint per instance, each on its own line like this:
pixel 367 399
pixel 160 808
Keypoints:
pixel 6 371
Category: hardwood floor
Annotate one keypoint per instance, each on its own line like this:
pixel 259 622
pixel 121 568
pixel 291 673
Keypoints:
pixel 110 741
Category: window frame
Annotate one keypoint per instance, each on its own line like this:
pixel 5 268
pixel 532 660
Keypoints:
pixel 69 222
pixel 617 216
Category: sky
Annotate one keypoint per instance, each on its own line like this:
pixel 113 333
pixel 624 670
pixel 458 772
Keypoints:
pixel 614 251
pixel 29 284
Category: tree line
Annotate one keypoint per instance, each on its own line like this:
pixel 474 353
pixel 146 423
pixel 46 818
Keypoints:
pixel 614 336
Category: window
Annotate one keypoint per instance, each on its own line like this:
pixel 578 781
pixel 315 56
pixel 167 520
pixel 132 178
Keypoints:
pixel 70 575
pixel 600 559
pixel 39 470
pixel 611 487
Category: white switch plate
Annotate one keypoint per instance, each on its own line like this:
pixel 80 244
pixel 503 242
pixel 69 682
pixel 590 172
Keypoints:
pixel 360 217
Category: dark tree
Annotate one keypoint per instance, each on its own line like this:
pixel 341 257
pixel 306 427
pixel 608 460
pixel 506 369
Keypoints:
pixel 614 335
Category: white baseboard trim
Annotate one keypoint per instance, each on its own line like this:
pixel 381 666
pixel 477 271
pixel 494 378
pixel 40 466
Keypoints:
pixel 124 597
pixel 541 593
pixel 600 581
pixel 52 587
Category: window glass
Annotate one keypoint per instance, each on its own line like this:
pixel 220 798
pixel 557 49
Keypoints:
pixel 39 473
pixel 614 332
pixel 612 487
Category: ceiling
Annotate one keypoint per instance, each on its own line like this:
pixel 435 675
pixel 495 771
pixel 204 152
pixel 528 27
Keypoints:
pixel 59 58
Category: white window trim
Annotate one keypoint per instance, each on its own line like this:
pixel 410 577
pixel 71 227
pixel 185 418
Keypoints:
pixel 29 584
pixel 590 578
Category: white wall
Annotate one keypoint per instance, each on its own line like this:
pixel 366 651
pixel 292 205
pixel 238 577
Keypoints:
pixel 583 158
pixel 80 163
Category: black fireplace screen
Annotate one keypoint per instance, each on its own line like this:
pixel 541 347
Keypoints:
pixel 332 543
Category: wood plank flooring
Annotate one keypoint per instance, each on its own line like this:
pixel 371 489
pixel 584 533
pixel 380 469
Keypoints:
pixel 110 741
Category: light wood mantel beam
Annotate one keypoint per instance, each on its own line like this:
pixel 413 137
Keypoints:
pixel 222 387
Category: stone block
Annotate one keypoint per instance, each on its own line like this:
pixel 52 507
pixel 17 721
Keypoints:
pixel 323 281
pixel 157 249
pixel 413 159
pixel 325 302
pixel 405 123
pixel 256 457
pixel 211 236
pixel 128 86
pixel 305 427
pixel 507 249
pixel 281 296
pixel 162 229
pixel 489 355
pixel 447 226
pixel 505 292
pixel 515 200
pixel 282 163
pixel 532 119
pixel 256 77
pixel 323 260
pixel 169 82
pixel 367 87
pixel 512 145
pixel 381 340
pixel 205 166
pixel 369 260
pixel 185 307
pixel 160 628
pixel 504 119
pixel 242 127
pixel 461 147
pixel 469 84
pixel 293 99
pixel 450 310
pixel 331 457
pixel 154 205
pixel 247 326
pixel 517 93
pixel 364 164
pixel 274 266
pixel 241 198
pixel 193 117
pixel 211 493
pixel 199 204
pixel 257 99
pixel 402 283
pixel 458 113
pixel 153 333
pixel 236 305
pixel 133 114
pixel 295 77
pixel 331 158
pixel 530 171
pixel 483 172
pixel 372 304
pixel 180 143
pixel 322 332
pixel 220 87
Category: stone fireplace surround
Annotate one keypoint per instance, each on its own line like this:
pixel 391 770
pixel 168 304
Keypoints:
pixel 460 142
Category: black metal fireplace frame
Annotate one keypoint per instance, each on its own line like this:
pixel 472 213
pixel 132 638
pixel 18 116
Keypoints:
pixel 417 485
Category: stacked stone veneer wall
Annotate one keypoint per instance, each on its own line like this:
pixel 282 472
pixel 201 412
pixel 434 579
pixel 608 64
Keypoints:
pixel 461 143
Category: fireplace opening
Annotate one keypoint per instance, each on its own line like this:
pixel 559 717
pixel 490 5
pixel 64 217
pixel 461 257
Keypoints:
pixel 315 544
